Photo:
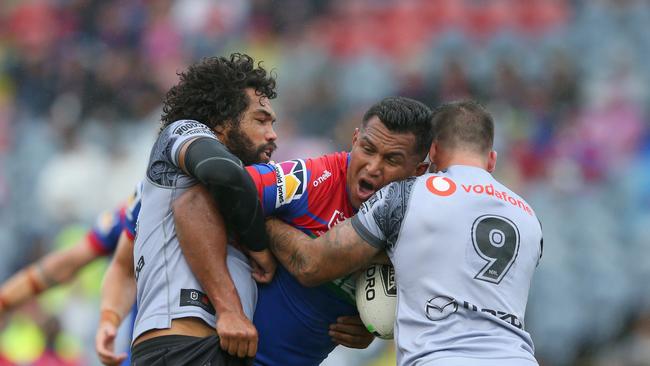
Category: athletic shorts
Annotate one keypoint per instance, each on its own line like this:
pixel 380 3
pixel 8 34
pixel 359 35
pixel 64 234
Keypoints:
pixel 176 350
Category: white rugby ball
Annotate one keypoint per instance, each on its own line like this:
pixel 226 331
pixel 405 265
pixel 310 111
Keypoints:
pixel 376 296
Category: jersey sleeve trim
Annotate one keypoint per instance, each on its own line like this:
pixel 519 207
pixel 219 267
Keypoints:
pixel 366 235
pixel 188 131
pixel 129 234
pixel 95 243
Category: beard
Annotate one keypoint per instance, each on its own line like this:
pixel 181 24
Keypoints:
pixel 243 148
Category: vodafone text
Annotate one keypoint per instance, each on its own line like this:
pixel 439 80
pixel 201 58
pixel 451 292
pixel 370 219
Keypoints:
pixel 501 195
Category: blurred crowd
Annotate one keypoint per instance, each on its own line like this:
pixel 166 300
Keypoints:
pixel 81 83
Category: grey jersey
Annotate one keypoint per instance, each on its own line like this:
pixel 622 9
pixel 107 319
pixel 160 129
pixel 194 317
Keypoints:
pixel 464 248
pixel 166 287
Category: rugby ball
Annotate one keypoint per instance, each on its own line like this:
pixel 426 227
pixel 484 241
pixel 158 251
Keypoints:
pixel 376 296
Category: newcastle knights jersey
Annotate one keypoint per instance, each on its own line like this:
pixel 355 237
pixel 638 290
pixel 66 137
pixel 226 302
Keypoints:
pixel 107 229
pixel 293 320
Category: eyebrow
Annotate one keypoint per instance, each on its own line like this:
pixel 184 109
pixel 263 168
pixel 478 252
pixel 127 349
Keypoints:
pixel 400 154
pixel 367 141
pixel 397 154
pixel 266 113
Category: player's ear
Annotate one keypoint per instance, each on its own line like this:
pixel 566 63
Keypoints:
pixel 220 130
pixel 355 136
pixel 422 168
pixel 432 152
pixel 492 161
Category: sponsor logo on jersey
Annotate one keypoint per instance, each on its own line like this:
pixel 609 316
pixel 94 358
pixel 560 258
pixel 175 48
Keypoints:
pixel 325 176
pixel 290 181
pixel 192 297
pixel 489 190
pixel 440 307
pixel 441 186
pixel 192 128
pixel 337 217
pixel 506 317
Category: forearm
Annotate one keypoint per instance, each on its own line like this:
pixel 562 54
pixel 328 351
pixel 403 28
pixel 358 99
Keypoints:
pixel 119 287
pixel 313 262
pixel 287 244
pixel 20 287
pixel 211 270
pixel 203 239
pixel 61 266
pixel 53 269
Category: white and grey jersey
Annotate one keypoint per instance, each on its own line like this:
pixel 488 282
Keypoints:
pixel 166 287
pixel 464 248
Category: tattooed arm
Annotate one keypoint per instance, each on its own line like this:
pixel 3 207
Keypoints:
pixel 315 261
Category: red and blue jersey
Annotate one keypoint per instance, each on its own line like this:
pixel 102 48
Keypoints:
pixel 308 194
pixel 108 227
pixel 131 213
pixel 293 320
pixel 106 231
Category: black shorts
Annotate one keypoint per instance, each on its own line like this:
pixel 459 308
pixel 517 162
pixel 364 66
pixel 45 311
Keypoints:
pixel 178 350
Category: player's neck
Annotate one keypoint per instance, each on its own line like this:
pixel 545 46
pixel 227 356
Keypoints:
pixel 446 160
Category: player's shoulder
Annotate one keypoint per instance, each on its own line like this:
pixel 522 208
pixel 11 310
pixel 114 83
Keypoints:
pixel 327 170
pixel 187 127
pixel 107 220
pixel 487 186
pixel 107 228
pixel 312 172
pixel 394 193
pixel 291 180
pixel 134 201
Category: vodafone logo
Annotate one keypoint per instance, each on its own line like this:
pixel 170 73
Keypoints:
pixel 441 186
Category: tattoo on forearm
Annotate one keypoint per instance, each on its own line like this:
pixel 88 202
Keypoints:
pixel 336 250
pixel 281 244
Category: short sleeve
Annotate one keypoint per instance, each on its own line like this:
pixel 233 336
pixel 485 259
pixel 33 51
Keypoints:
pixel 132 211
pixel 380 218
pixel 280 186
pixel 181 132
pixel 106 231
pixel 163 168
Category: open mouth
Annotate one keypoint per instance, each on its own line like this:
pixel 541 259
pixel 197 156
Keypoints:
pixel 266 153
pixel 366 189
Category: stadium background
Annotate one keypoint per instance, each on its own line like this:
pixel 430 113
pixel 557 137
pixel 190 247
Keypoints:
pixel 567 82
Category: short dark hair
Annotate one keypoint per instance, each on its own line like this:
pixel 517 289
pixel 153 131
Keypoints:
pixel 404 115
pixel 465 124
pixel 212 91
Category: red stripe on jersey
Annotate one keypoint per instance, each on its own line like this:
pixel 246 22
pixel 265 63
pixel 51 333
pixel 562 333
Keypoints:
pixel 95 244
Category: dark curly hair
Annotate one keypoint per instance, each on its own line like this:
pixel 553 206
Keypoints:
pixel 212 91
pixel 404 115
